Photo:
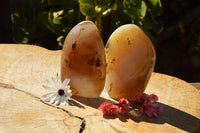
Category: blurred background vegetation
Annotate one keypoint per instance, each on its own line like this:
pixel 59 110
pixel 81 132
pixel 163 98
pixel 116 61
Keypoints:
pixel 173 26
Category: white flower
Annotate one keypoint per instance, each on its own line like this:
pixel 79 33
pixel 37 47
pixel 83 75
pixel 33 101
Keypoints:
pixel 61 92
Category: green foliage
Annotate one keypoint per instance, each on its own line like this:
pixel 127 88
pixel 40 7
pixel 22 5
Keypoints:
pixel 56 18
pixel 24 20
pixel 46 24
pixel 144 14
pixel 96 8
pixel 140 12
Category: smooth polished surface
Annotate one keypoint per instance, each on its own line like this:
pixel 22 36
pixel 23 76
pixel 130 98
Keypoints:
pixel 83 60
pixel 130 58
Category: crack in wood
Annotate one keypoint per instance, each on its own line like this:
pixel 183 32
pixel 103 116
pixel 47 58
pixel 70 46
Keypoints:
pixel 70 114
pixel 83 124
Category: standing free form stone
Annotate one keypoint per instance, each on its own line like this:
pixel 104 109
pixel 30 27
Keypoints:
pixel 83 60
pixel 130 57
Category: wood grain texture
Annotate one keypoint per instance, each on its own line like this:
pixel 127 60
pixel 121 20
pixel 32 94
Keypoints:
pixel 25 68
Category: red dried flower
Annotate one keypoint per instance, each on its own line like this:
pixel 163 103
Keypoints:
pixel 124 101
pixel 154 97
pixel 148 106
pixel 151 110
pixel 124 105
pixel 142 98
pixel 108 108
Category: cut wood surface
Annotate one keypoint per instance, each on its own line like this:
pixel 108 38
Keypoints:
pixel 25 68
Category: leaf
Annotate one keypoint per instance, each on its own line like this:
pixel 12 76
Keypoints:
pixel 46 18
pixel 57 21
pixel 57 17
pixel 91 2
pixel 155 3
pixel 87 10
pixel 96 9
pixel 14 18
pixel 143 9
pixel 136 9
pixel 155 6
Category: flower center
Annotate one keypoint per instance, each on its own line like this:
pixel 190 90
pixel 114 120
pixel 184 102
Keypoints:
pixel 61 92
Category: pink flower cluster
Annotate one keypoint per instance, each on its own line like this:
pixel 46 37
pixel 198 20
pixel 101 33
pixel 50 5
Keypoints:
pixel 123 106
pixel 148 106
pixel 112 109
pixel 108 109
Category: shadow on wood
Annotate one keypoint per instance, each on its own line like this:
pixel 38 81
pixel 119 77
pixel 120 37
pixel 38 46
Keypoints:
pixel 92 102
pixel 170 115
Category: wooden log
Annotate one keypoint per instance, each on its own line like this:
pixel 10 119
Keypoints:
pixel 25 68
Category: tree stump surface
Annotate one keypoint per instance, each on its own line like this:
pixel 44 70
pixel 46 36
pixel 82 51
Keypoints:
pixel 25 68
